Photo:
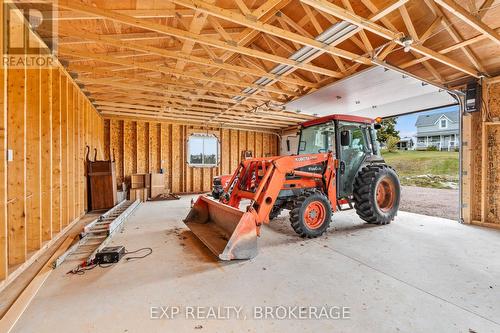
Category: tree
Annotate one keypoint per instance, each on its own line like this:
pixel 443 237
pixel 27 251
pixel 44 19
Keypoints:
pixel 392 143
pixel 388 129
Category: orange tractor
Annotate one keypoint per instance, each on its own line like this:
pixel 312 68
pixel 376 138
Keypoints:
pixel 338 166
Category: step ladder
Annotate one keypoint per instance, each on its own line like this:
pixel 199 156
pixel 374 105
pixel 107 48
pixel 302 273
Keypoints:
pixel 97 234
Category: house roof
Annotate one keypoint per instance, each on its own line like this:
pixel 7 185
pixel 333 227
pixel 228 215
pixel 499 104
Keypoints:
pixel 406 139
pixel 430 119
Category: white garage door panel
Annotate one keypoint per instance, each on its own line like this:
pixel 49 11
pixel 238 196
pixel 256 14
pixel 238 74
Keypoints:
pixel 372 93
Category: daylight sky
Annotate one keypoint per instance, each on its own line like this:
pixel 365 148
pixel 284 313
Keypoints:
pixel 406 124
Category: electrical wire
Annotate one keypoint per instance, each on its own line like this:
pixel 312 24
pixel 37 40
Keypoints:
pixel 87 266
pixel 139 250
pixel 451 22
pixel 487 8
pixel 81 268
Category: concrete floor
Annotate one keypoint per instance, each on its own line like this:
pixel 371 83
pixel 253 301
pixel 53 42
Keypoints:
pixel 418 274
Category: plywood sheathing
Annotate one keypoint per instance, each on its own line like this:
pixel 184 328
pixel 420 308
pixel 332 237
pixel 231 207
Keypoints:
pixel 149 146
pixel 47 123
pixel 492 214
pixel 481 161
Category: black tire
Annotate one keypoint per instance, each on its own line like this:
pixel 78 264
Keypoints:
pixel 215 194
pixel 377 193
pixel 300 208
pixel 275 212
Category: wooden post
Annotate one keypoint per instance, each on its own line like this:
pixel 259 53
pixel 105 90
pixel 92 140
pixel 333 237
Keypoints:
pixel 76 151
pixel 16 138
pixel 46 160
pixel 466 168
pixel 484 156
pixel 56 151
pixel 484 167
pixel 3 162
pixel 33 157
pixel 64 152
pixel 70 154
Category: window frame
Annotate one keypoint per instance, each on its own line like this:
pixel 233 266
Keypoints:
pixel 441 123
pixel 203 164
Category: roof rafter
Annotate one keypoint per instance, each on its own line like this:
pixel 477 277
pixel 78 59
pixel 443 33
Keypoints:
pixel 170 71
pixel 186 35
pixel 269 29
pixel 468 18
pixel 388 34
pixel 189 58
pixel 455 35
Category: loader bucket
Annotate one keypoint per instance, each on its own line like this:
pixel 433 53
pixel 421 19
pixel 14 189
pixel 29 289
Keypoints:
pixel 228 232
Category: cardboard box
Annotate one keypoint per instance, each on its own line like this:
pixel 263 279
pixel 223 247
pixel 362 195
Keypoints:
pixel 157 184
pixel 140 180
pixel 138 193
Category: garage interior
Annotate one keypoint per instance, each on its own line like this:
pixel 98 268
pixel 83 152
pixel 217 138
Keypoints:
pixel 132 81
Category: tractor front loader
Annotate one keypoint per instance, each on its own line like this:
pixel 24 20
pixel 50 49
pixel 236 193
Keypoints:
pixel 337 164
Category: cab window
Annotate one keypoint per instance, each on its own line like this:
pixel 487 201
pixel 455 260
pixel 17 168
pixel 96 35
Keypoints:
pixel 317 139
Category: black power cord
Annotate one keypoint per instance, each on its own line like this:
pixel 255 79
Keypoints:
pixel 87 266
pixel 150 250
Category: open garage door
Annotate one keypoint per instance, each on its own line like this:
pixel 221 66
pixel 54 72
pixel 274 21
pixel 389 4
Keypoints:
pixel 375 92
pixel 386 93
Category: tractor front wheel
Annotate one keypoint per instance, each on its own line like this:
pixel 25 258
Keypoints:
pixel 311 214
pixel 376 194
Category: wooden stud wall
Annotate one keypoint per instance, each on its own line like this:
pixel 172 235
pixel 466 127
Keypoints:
pixel 143 147
pixel 491 158
pixel 481 162
pixel 46 121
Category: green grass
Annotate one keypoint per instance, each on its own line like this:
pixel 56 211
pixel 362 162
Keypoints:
pixel 438 169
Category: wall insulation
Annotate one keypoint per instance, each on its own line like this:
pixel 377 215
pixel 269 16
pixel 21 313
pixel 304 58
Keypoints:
pixel 143 147
pixel 46 122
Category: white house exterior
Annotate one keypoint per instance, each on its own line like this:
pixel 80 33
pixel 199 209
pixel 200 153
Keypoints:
pixel 406 143
pixel 439 130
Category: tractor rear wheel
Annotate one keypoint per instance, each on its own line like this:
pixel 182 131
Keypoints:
pixel 376 194
pixel 311 214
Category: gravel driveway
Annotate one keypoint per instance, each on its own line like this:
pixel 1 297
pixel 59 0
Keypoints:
pixel 430 201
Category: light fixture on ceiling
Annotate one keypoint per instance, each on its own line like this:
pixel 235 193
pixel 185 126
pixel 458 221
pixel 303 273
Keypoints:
pixel 328 37
pixel 407 41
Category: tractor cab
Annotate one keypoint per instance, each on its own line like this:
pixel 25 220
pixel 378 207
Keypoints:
pixel 351 139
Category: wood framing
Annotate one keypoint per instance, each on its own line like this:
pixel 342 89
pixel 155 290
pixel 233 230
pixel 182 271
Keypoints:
pixel 467 17
pixel 35 182
pixel 228 49
pixel 138 79
pixel 141 146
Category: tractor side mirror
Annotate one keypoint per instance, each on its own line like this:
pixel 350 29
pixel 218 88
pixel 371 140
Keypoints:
pixel 345 138
pixel 377 126
pixel 302 145
pixel 287 145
